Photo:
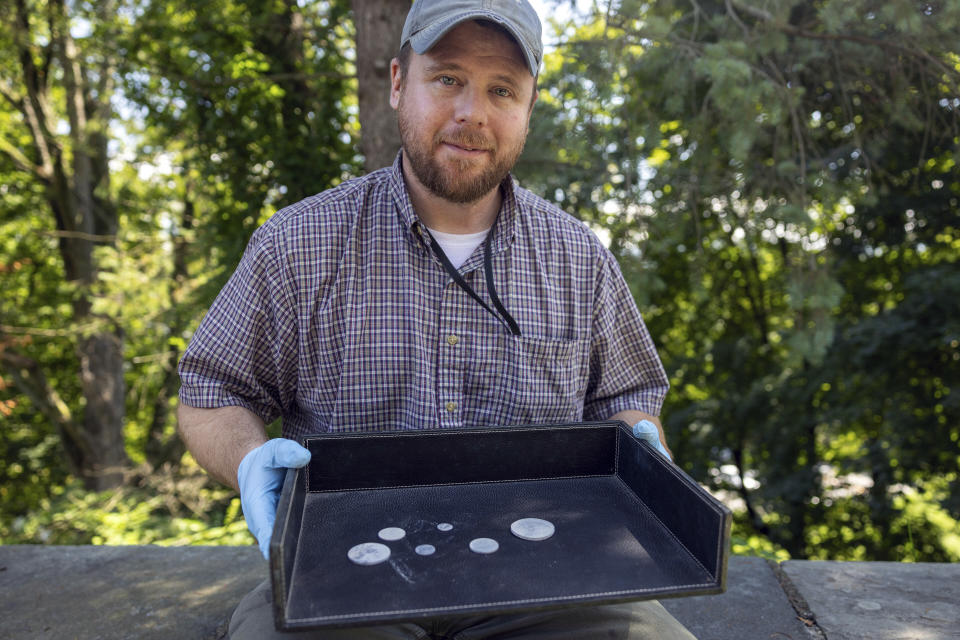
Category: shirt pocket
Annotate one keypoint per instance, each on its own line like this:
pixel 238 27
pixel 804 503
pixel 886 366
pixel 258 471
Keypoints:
pixel 546 382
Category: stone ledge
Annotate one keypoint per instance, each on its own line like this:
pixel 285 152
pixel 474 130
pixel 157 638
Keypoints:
pixel 92 593
pixel 189 592
pixel 881 600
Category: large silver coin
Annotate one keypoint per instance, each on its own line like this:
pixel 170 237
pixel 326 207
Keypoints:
pixel 484 545
pixel 392 534
pixel 444 526
pixel 532 529
pixel 369 553
pixel 425 549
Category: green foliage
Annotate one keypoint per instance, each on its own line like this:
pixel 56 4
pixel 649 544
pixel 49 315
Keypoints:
pixel 33 309
pixel 224 115
pixel 160 507
pixel 778 180
pixel 779 183
pixel 744 541
pixel 258 100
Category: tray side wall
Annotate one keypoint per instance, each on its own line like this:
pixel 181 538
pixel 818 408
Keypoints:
pixel 283 542
pixel 402 459
pixel 701 523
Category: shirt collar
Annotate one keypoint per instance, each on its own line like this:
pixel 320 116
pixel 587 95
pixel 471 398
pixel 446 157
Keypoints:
pixel 507 219
pixel 401 198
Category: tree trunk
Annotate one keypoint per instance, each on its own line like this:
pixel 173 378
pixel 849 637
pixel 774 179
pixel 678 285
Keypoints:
pixel 101 376
pixel 378 25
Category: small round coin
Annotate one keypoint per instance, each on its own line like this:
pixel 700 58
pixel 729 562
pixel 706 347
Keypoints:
pixel 533 529
pixel 425 549
pixel 369 553
pixel 445 526
pixel 484 545
pixel 392 534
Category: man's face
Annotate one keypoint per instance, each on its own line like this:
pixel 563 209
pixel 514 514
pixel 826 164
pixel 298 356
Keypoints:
pixel 463 109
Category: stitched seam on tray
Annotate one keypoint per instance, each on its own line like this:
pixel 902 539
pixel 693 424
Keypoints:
pixel 616 450
pixel 448 432
pixel 522 601
pixel 453 484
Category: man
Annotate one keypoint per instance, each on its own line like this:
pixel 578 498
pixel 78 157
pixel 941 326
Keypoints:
pixel 433 294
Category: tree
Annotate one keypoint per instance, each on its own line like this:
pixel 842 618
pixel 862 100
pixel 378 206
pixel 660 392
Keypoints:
pixel 223 115
pixel 53 81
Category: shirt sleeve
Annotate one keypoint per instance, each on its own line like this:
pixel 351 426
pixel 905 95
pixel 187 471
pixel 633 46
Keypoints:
pixel 244 351
pixel 625 369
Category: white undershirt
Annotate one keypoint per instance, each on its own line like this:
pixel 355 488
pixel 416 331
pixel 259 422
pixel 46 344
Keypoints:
pixel 459 246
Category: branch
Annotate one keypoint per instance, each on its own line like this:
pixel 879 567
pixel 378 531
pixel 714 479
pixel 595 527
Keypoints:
pixel 7 92
pixel 72 73
pixel 76 330
pixel 797 127
pixel 80 235
pixel 33 107
pixel 697 11
pixel 21 160
pixel 760 14
pixel 175 74
pixel 733 16
pixel 755 518
pixel 106 12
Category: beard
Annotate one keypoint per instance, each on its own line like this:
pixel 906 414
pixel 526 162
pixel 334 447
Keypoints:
pixel 458 181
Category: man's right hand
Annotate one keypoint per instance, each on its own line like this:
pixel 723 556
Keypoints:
pixel 260 476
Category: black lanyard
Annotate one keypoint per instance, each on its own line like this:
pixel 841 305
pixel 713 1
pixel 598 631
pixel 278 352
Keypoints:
pixel 503 316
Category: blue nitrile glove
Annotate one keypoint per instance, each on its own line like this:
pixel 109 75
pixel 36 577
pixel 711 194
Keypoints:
pixel 260 476
pixel 646 430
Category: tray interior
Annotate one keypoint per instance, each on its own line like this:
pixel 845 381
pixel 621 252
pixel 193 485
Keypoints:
pixel 629 525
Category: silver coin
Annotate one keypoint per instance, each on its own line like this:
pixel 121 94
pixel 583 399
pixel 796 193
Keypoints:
pixel 425 549
pixel 392 534
pixel 484 545
pixel 369 553
pixel 445 526
pixel 532 529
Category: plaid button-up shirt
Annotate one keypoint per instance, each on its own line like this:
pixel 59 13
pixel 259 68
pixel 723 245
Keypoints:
pixel 340 318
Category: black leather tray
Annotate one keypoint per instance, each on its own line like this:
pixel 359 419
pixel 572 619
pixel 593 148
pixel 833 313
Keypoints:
pixel 629 525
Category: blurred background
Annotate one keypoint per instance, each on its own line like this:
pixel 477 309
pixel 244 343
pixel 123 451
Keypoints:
pixel 778 179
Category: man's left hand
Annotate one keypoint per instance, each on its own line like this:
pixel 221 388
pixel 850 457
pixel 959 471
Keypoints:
pixel 646 430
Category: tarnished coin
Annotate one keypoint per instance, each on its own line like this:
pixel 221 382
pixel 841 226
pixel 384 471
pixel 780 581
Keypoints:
pixel 369 553
pixel 484 545
pixel 532 529
pixel 392 534
pixel 425 549
pixel 445 526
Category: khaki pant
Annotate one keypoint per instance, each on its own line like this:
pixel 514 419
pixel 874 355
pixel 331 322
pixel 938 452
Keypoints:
pixel 253 620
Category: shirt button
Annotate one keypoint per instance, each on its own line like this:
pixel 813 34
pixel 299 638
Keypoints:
pixel 451 406
pixel 452 339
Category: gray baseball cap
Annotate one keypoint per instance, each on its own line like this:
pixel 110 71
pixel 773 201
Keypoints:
pixel 430 20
